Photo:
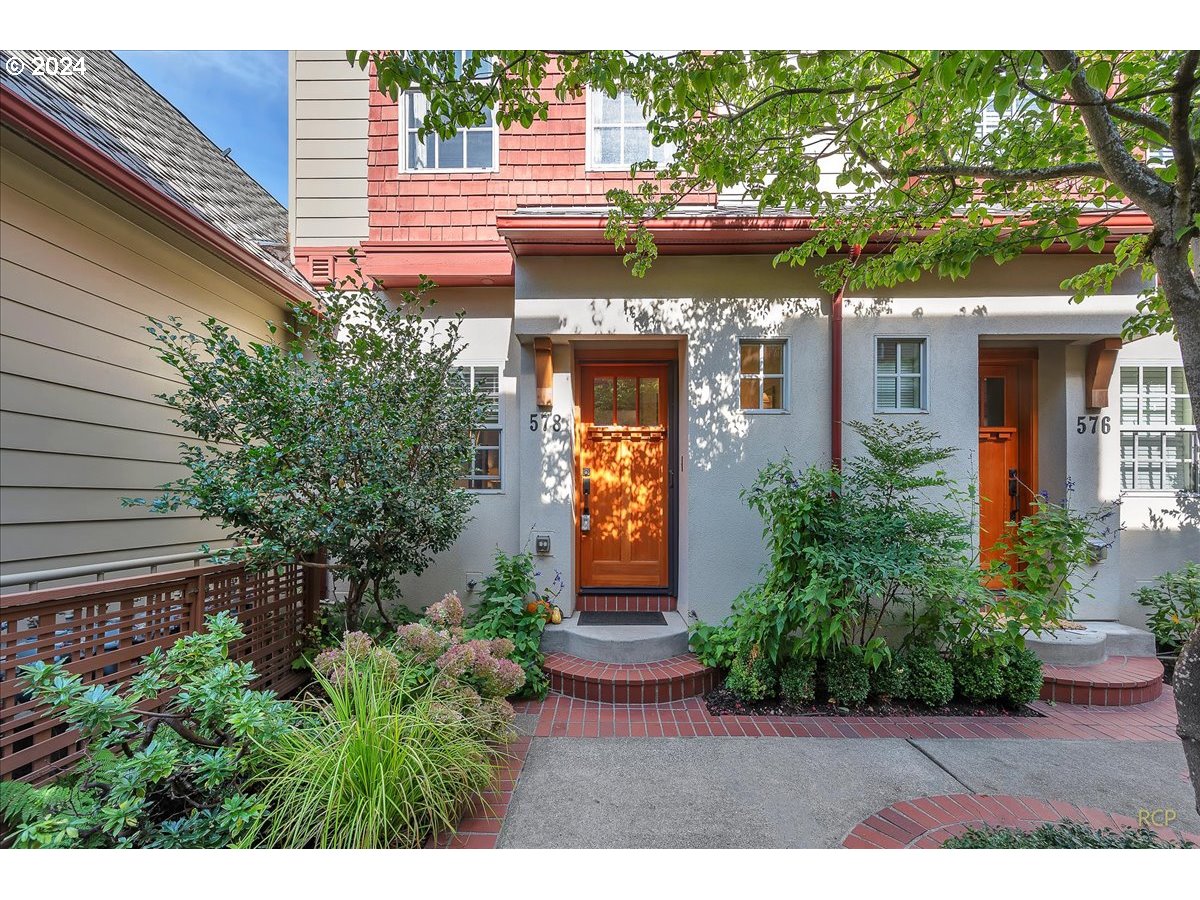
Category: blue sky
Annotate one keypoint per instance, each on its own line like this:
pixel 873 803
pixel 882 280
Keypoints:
pixel 237 97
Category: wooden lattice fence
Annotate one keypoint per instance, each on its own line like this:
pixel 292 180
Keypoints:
pixel 102 631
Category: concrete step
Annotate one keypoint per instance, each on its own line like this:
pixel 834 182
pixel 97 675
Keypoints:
pixel 1124 640
pixel 619 644
pixel 1096 642
pixel 1118 681
pixel 634 683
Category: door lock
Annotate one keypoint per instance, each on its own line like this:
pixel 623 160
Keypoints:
pixel 1012 493
pixel 585 518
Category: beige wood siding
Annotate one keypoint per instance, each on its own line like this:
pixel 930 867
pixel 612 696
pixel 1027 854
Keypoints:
pixel 80 427
pixel 327 150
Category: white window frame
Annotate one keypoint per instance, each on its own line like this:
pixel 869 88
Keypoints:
pixel 498 425
pixel 1140 428
pixel 786 394
pixel 406 166
pixel 924 376
pixel 589 143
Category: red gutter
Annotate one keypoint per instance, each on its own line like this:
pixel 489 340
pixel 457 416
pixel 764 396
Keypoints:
pixel 835 366
pixel 22 116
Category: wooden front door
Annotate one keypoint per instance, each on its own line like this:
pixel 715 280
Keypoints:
pixel 622 476
pixel 1007 442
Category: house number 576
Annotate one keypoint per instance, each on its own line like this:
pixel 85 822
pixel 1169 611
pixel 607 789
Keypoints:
pixel 1084 424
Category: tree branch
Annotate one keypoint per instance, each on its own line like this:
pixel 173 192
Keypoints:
pixel 1181 140
pixel 1141 185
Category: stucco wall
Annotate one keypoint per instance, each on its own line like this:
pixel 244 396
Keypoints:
pixel 79 425
pixel 705 305
pixel 1161 530
pixel 327 149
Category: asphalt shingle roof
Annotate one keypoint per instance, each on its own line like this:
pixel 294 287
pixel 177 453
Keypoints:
pixel 113 109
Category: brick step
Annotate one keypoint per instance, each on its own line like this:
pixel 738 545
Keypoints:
pixel 1118 681
pixel 629 683
pixel 624 603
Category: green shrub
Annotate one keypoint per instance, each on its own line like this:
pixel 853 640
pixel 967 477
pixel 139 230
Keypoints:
pixel 890 680
pixel 1022 677
pixel 930 678
pixel 977 672
pixel 848 680
pixel 752 677
pixel 798 681
pixel 1173 606
pixel 502 614
pixel 175 778
pixel 714 645
pixel 1062 835
pixel 385 759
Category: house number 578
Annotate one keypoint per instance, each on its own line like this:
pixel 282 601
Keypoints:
pixel 1084 424
pixel 547 422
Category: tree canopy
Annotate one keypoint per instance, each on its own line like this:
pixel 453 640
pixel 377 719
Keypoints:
pixel 1078 140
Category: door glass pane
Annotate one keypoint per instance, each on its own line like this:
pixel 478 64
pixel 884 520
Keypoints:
pixel 626 401
pixel 750 358
pixel 750 393
pixel 602 401
pixel 773 359
pixel 993 402
pixel 772 393
pixel 648 397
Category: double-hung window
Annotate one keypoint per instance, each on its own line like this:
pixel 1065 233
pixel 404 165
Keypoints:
pixel 763 375
pixel 1159 444
pixel 617 134
pixel 484 472
pixel 901 375
pixel 473 149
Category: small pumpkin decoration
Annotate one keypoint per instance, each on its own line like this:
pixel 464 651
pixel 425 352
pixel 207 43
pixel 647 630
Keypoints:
pixel 555 616
pixel 531 607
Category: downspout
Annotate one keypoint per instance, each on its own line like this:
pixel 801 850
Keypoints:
pixel 835 369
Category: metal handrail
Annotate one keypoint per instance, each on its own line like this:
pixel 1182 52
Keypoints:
pixel 33 579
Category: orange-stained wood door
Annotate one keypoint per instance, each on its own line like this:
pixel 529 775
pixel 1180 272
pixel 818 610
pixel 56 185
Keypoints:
pixel 1007 442
pixel 622 476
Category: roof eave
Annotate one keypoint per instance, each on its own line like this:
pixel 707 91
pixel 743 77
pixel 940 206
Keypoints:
pixel 25 118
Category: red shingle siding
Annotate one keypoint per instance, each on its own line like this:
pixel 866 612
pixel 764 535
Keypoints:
pixel 544 165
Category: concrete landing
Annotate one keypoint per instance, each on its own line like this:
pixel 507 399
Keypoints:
pixel 1091 646
pixel 622 644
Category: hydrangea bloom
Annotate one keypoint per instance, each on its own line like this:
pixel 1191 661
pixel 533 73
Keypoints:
pixel 447 612
pixel 422 642
pixel 357 644
pixel 498 677
pixel 502 647
pixel 457 661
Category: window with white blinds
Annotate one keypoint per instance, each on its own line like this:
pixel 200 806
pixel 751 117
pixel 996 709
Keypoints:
pixel 484 473
pixel 901 375
pixel 1159 446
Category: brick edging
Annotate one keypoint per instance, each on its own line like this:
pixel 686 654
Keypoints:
pixel 479 828
pixel 927 822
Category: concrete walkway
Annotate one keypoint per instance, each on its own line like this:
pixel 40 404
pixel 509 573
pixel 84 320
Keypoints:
pixel 783 792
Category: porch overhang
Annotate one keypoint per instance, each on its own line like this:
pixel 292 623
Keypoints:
pixel 550 231
pixel 402 264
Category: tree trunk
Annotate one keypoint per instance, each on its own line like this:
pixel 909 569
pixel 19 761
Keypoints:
pixel 1187 704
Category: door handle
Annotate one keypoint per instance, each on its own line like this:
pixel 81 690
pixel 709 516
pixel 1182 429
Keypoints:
pixel 585 517
pixel 1013 491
